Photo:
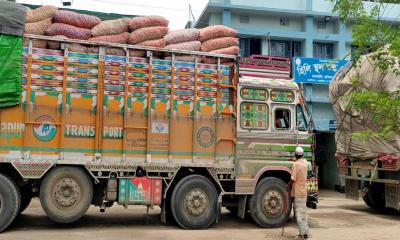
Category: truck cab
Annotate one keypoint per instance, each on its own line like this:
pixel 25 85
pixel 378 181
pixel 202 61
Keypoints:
pixel 272 121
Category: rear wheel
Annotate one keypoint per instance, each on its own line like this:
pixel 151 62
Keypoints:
pixel 10 201
pixel 375 195
pixel 66 194
pixel 270 205
pixel 194 202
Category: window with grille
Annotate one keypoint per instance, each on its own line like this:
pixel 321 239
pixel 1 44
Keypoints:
pixel 244 19
pixel 254 115
pixel 323 50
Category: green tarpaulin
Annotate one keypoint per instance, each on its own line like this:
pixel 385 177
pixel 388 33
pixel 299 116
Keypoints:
pixel 10 69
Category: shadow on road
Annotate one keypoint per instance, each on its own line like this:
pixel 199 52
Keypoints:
pixel 121 220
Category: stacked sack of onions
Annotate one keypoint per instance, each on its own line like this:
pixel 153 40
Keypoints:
pixel 111 31
pixel 37 21
pixel 219 39
pixel 147 31
pixel 73 25
pixel 185 39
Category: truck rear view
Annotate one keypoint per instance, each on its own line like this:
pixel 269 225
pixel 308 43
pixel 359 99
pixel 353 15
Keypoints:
pixel 369 161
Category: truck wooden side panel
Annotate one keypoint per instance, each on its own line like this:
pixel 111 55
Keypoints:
pixel 79 108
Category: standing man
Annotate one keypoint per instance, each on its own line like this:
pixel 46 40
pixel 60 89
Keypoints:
pixel 299 192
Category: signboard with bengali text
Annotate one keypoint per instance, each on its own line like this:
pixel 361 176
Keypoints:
pixel 315 70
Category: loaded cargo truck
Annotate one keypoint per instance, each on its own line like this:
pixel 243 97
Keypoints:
pixel 190 137
pixel 371 165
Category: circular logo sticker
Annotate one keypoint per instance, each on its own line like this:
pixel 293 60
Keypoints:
pixel 46 130
pixel 205 137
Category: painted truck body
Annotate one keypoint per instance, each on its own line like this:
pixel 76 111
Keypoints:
pixel 186 136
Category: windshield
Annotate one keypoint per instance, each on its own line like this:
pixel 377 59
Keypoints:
pixel 301 119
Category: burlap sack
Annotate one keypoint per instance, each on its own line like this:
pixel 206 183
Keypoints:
pixel 120 38
pixel 216 31
pixel 68 31
pixel 182 58
pixel 183 35
pixel 55 45
pixel 147 33
pixel 37 28
pixel 111 27
pixel 349 120
pixel 218 43
pixel 76 19
pixel 210 60
pixel 229 50
pixel 36 43
pixel 40 13
pixel 137 53
pixel 115 51
pixel 189 46
pixel 94 50
pixel 158 43
pixel 147 21
pixel 76 47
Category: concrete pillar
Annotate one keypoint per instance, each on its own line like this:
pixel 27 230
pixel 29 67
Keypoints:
pixel 227 18
pixel 341 45
pixel 264 46
pixel 309 5
pixel 308 43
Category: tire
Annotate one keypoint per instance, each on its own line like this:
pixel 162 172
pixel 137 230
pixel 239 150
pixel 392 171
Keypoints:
pixel 10 200
pixel 273 191
pixel 66 194
pixel 191 191
pixel 26 197
pixel 375 196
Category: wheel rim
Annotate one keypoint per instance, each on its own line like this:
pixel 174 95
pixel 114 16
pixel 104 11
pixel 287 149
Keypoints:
pixel 196 202
pixel 67 192
pixel 273 203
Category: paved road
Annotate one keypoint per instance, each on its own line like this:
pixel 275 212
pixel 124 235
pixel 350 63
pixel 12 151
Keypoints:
pixel 336 218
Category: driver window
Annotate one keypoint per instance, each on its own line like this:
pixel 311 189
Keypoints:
pixel 282 119
pixel 301 119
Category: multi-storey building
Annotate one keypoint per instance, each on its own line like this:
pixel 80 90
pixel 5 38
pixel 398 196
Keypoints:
pixel 294 28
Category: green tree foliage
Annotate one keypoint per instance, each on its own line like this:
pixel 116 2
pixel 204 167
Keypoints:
pixel 374 31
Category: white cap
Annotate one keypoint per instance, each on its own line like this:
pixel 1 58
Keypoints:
pixel 299 151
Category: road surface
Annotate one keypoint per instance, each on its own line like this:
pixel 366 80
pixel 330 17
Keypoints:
pixel 335 218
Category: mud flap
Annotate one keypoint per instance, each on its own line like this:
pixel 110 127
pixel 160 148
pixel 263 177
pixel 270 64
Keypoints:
pixel 163 213
pixel 218 209
pixel 392 196
pixel 242 206
pixel 352 189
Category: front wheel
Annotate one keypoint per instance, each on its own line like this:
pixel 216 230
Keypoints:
pixel 194 202
pixel 270 205
pixel 10 200
pixel 66 194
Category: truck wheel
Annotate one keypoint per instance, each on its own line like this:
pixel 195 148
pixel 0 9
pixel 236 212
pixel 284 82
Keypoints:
pixel 10 200
pixel 194 202
pixel 375 196
pixel 26 197
pixel 66 194
pixel 270 206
